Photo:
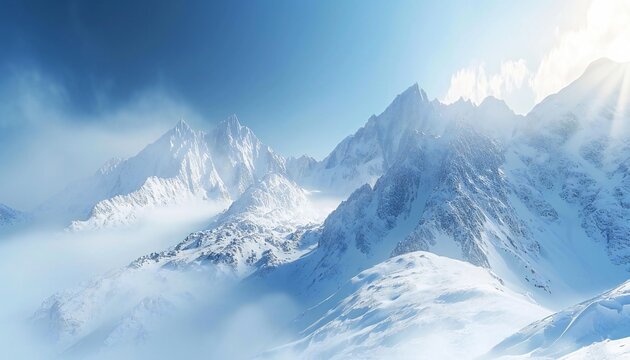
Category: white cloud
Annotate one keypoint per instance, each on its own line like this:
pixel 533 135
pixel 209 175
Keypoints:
pixel 474 84
pixel 604 32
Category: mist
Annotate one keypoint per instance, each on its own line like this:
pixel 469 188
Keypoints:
pixel 45 144
pixel 202 313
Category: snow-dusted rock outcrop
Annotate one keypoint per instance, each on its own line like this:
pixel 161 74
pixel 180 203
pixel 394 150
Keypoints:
pixel 260 230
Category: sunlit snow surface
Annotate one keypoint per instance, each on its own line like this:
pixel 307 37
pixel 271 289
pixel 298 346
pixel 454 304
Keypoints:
pixel 604 317
pixel 604 350
pixel 417 305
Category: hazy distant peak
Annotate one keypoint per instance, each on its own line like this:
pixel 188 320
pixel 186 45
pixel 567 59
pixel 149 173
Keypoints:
pixel 182 125
pixel 492 103
pixel 599 87
pixel 181 130
pixel 413 93
pixel 604 63
pixel 231 122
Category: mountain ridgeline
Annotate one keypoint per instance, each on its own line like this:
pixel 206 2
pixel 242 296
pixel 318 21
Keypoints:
pixel 538 205
pixel 181 165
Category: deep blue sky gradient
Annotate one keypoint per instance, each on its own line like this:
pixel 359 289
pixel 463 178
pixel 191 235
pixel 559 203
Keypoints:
pixel 285 67
pixel 302 74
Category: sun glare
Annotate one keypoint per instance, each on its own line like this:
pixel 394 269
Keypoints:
pixel 608 21
pixel 620 120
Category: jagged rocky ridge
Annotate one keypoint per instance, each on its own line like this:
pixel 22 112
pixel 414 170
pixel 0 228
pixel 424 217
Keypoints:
pixel 183 164
pixel 540 200
pixel 363 157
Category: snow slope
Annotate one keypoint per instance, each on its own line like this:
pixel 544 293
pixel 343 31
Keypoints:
pixel 605 317
pixel 604 350
pixel 417 305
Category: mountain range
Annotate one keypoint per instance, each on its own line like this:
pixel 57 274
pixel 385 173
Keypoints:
pixel 467 220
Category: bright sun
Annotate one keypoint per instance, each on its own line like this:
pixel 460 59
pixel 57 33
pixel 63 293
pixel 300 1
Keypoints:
pixel 608 28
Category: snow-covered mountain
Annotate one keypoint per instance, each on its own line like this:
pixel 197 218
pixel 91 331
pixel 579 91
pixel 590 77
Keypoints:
pixel 259 231
pixel 181 165
pixel 428 200
pixel 524 199
pixel 460 212
pixel 364 156
pixel 576 145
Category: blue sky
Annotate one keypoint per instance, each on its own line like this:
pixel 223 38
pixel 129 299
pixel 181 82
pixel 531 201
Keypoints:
pixel 302 74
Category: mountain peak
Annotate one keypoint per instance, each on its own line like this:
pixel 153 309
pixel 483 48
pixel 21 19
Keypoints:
pixel 603 70
pixel 491 102
pixel 181 132
pixel 231 125
pixel 182 125
pixel 603 64
pixel 414 92
pixel 461 103
pixel 600 85
pixel 182 128
pixel 232 121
